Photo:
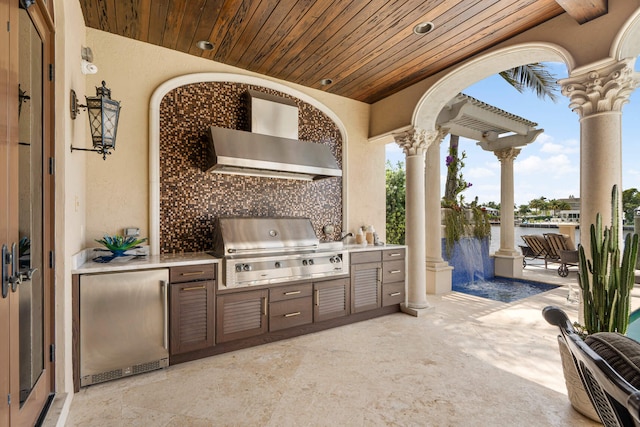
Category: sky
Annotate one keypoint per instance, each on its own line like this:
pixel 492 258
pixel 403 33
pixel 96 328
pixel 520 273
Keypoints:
pixel 548 167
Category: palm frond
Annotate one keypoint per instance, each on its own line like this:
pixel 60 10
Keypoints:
pixel 535 77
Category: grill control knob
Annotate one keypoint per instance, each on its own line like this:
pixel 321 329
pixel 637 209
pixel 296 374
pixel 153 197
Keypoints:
pixel 238 268
pixel 277 264
pixel 310 262
pixel 304 262
pixel 246 267
pixel 334 259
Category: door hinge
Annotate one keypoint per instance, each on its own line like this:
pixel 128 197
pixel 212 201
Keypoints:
pixel 50 72
pixel 52 165
pixel 8 26
pixel 9 399
pixel 52 259
pixel 52 353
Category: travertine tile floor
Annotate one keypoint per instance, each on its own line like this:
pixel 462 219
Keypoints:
pixel 469 362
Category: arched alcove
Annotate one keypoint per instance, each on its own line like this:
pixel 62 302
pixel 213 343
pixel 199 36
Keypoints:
pixel 429 106
pixel 155 127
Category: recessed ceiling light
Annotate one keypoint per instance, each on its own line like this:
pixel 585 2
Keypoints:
pixel 326 82
pixel 205 45
pixel 423 28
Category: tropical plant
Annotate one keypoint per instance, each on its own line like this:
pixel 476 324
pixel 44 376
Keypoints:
pixel 606 279
pixel 455 183
pixel 396 194
pixel 532 76
pixel 455 223
pixel 630 202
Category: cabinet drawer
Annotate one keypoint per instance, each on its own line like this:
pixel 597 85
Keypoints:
pixel 393 293
pixel 284 293
pixel 393 254
pixel 393 271
pixel 366 256
pixel 188 273
pixel 285 314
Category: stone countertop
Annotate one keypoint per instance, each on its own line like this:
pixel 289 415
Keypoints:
pixel 84 265
pixel 362 248
pixel 129 263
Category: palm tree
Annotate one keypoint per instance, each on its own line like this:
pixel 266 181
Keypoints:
pixel 540 204
pixel 535 77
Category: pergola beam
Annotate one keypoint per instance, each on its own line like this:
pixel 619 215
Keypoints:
pixel 584 10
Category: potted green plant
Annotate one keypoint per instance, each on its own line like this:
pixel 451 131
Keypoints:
pixel 605 282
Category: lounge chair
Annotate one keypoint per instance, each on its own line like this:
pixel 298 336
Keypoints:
pixel 607 363
pixel 562 249
pixel 538 249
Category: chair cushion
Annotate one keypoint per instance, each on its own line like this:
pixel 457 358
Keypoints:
pixel 569 243
pixel 620 352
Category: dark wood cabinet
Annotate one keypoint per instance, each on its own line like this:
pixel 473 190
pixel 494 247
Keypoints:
pixel 290 306
pixel 241 315
pixel 251 316
pixel 331 299
pixel 192 318
pixel 366 281
pixel 393 276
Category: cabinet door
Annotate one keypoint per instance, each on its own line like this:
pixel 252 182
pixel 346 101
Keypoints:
pixel 241 315
pixel 365 286
pixel 192 316
pixel 331 299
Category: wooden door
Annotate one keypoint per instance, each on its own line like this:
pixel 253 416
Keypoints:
pixel 26 227
pixel 7 73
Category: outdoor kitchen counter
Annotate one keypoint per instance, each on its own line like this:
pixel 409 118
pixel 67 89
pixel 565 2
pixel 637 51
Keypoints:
pixel 173 260
pixel 145 263
pixel 361 248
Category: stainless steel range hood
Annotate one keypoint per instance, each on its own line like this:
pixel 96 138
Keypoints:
pixel 247 153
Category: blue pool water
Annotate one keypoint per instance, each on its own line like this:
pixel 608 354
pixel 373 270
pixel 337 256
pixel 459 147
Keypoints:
pixel 633 330
pixel 502 289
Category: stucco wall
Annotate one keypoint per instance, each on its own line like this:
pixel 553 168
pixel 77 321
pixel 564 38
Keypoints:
pixel 70 200
pixel 118 190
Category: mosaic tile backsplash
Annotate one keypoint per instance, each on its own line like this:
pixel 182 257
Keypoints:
pixel 191 199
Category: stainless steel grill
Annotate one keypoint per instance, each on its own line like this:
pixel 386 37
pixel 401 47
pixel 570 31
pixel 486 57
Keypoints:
pixel 260 251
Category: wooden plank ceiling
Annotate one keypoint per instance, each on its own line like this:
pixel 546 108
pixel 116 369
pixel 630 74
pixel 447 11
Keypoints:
pixel 366 47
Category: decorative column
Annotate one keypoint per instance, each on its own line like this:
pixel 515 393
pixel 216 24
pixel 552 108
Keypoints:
pixel 508 261
pixel 414 145
pixel 438 271
pixel 598 97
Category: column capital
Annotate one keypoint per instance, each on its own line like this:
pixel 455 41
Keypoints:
pixel 415 141
pixel 507 154
pixel 604 90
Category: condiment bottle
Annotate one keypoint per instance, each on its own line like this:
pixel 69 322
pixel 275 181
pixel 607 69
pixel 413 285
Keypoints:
pixel 359 236
pixel 369 235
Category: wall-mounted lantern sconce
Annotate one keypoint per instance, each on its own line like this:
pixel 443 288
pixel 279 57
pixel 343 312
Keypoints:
pixel 103 119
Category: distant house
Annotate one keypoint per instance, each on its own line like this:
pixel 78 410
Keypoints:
pixel 573 214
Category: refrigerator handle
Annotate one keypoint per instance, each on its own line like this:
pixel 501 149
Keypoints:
pixel 165 312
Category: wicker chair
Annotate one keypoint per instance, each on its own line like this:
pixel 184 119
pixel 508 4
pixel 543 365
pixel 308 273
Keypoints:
pixel 609 367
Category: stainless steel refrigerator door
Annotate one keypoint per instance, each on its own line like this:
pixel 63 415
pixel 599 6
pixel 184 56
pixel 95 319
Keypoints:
pixel 123 323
